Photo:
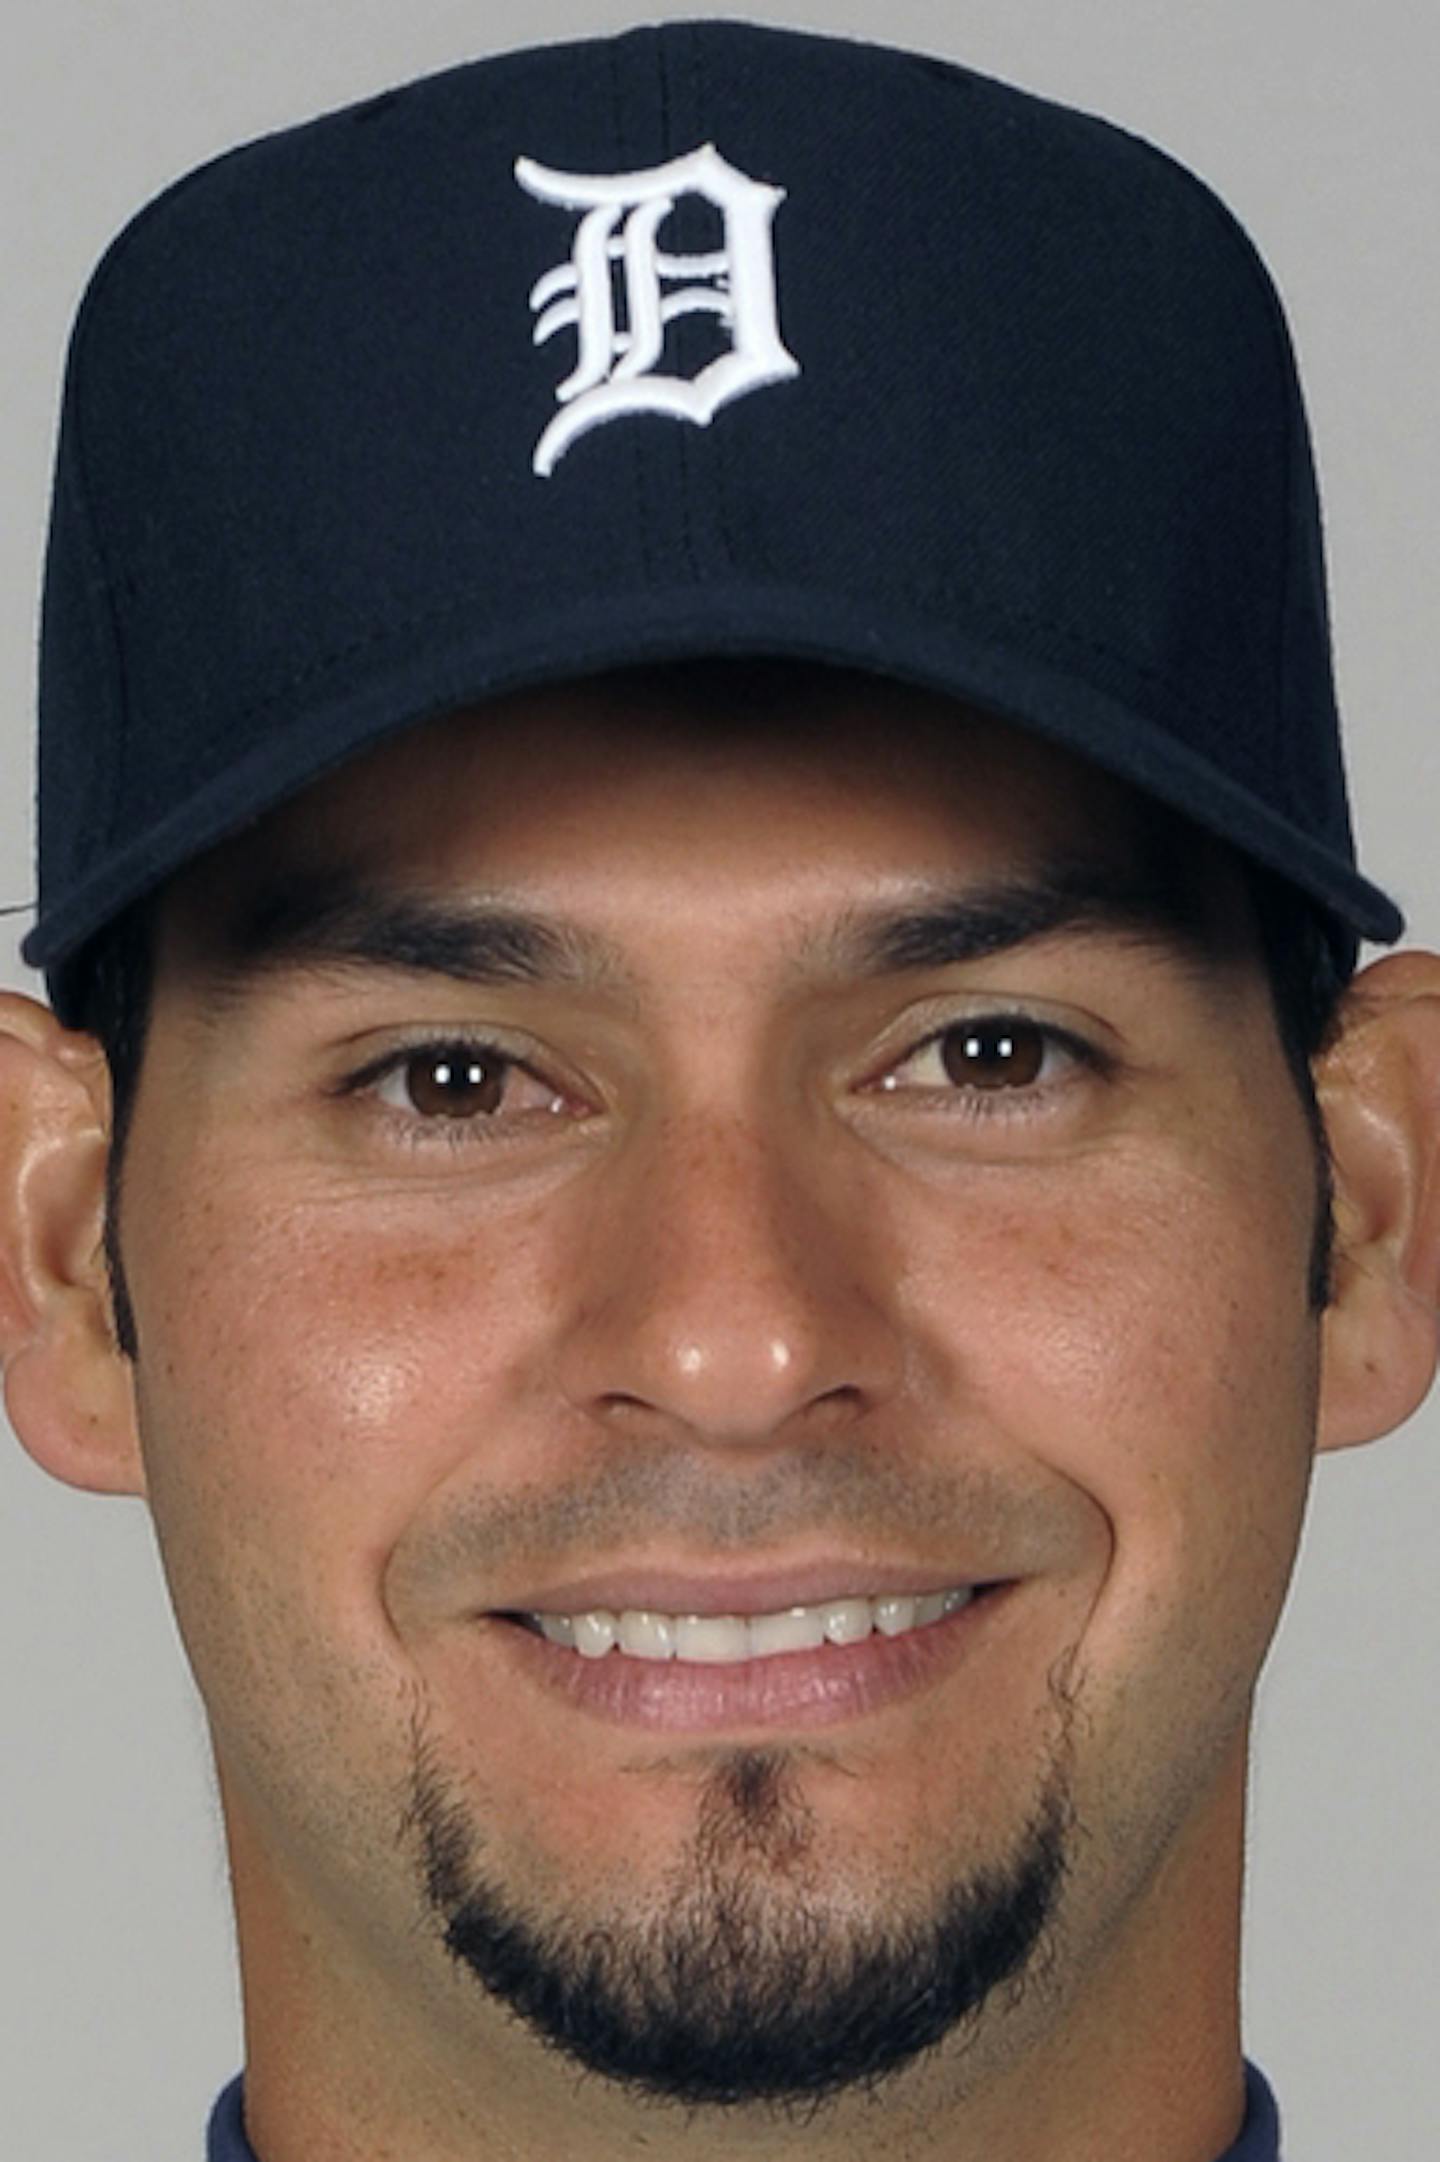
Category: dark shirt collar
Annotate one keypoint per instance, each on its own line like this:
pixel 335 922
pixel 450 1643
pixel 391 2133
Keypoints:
pixel 1259 2139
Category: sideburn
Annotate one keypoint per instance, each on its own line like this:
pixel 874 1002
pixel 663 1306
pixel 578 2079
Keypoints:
pixel 121 1309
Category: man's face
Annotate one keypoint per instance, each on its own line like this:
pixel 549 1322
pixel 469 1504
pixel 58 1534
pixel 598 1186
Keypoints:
pixel 775 1270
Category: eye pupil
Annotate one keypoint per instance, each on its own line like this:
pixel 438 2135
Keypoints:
pixel 453 1082
pixel 994 1055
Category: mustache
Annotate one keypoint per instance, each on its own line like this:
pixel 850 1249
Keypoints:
pixel 627 1504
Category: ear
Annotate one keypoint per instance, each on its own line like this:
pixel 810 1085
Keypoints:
pixel 67 1385
pixel 1379 1091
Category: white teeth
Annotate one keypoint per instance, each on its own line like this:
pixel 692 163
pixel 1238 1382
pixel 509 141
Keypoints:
pixel 893 1616
pixel 714 1639
pixel 798 1629
pixel 647 1636
pixel 726 1639
pixel 594 1634
pixel 848 1621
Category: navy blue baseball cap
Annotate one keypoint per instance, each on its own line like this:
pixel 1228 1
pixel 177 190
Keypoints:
pixel 701 340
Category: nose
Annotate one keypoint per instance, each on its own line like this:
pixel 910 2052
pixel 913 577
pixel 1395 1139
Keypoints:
pixel 732 1288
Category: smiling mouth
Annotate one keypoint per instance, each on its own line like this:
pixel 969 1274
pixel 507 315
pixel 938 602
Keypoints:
pixel 735 1639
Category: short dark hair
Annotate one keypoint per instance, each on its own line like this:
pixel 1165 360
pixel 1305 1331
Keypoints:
pixel 108 994
pixel 1307 961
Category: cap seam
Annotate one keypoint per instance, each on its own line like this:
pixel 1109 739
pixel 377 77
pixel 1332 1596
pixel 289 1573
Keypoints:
pixel 721 459
pixel 1287 588
pixel 687 492
pixel 621 157
pixel 92 306
pixel 108 610
pixel 1285 365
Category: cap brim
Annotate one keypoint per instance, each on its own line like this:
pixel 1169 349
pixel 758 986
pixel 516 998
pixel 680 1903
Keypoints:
pixel 346 717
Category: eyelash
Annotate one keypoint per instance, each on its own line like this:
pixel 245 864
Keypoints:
pixel 1019 1101
pixel 421 1130
pixel 977 1105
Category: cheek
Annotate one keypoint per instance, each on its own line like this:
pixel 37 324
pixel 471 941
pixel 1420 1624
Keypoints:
pixel 1143 1348
pixel 310 1370
pixel 1145 1336
pixel 307 1382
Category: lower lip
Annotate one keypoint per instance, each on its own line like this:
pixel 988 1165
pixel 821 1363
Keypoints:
pixel 817 1688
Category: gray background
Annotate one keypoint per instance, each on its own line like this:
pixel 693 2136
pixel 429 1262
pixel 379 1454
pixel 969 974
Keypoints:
pixel 1316 120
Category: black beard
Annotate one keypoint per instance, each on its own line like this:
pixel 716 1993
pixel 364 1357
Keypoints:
pixel 738 1989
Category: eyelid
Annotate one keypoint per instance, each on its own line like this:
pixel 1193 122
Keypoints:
pixel 1085 1037
pixel 360 1078
pixel 418 1128
pixel 1082 1051
pixel 1015 1100
pixel 424 1132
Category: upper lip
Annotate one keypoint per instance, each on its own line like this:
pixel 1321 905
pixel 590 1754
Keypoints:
pixel 769 1591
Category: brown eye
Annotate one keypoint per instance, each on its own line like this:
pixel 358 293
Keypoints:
pixel 993 1054
pixel 453 1081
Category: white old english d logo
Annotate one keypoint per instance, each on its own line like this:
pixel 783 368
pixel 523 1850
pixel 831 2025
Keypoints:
pixel 616 371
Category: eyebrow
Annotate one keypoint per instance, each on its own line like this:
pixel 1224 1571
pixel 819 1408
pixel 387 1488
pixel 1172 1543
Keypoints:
pixel 1148 907
pixel 321 921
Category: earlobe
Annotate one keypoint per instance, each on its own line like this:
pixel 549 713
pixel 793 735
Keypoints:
pixel 67 1386
pixel 1378 1087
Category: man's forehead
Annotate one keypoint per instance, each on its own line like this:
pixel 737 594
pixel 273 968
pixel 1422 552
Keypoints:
pixel 355 870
